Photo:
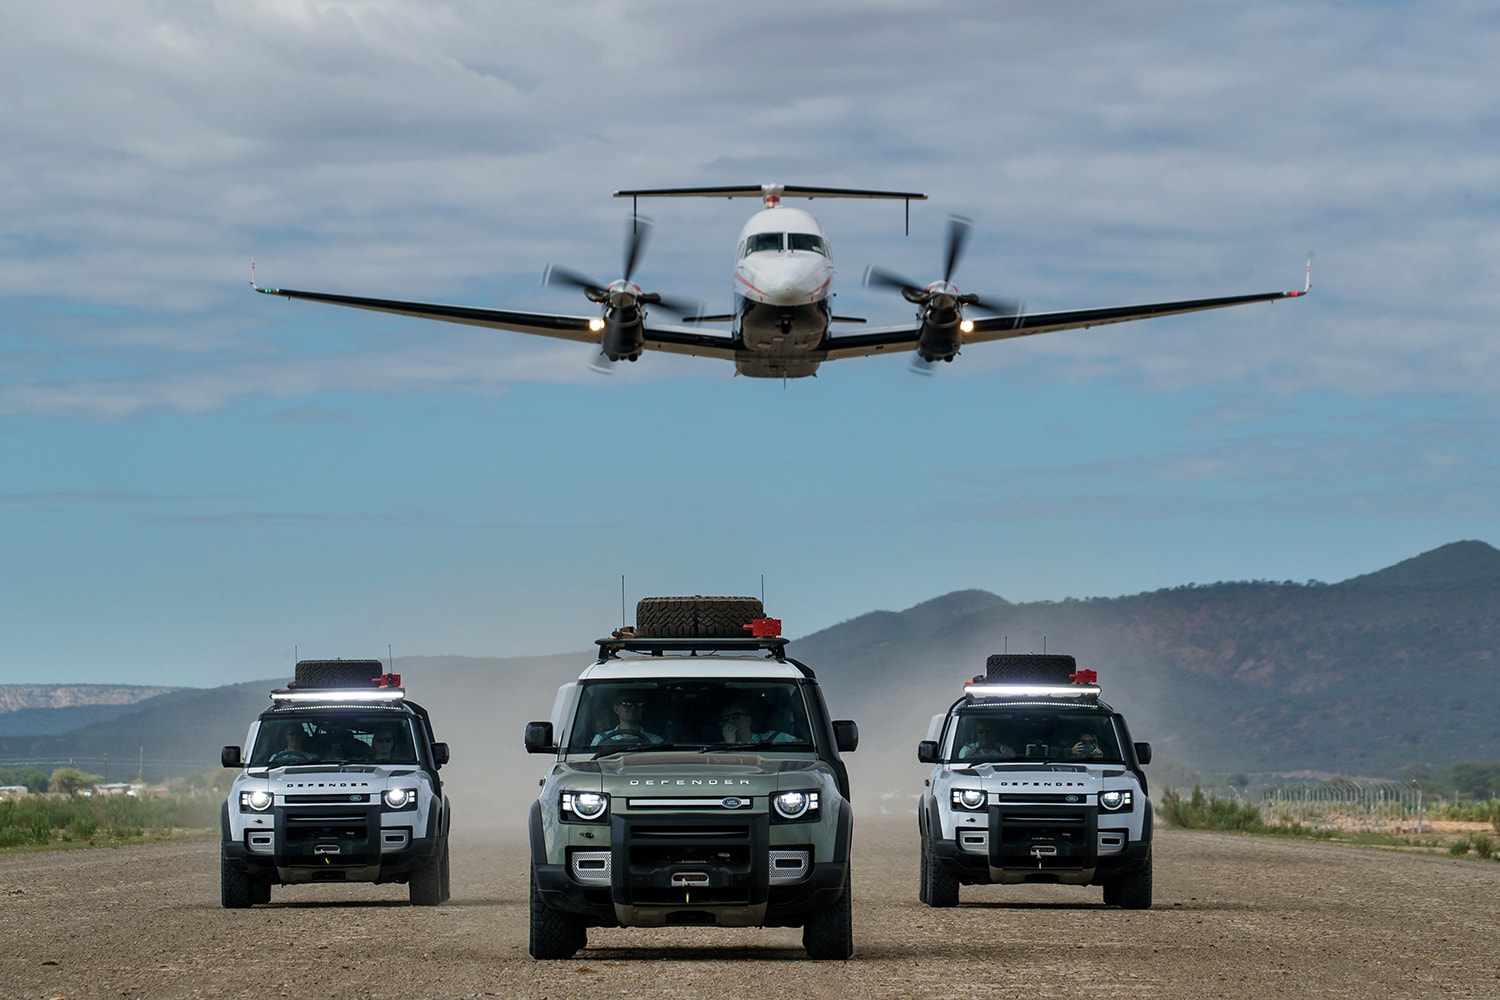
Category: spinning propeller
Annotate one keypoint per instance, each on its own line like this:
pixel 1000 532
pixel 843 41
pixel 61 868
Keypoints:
pixel 623 321
pixel 941 301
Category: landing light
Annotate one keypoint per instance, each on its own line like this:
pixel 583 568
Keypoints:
pixel 596 324
pixel 967 326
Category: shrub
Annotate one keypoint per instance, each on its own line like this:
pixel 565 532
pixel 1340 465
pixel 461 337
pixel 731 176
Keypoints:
pixel 1483 846
pixel 1209 812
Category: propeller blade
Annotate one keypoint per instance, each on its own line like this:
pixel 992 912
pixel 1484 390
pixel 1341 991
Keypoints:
pixel 958 235
pixel 555 275
pixel 688 309
pixel 921 366
pixel 636 238
pixel 995 307
pixel 879 276
pixel 601 363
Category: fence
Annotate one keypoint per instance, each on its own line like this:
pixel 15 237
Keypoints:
pixel 1347 805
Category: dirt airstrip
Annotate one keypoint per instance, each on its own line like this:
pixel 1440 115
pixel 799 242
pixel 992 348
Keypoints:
pixel 1234 917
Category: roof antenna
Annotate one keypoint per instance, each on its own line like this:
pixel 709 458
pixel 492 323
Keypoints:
pixel 390 659
pixel 763 589
pixel 623 622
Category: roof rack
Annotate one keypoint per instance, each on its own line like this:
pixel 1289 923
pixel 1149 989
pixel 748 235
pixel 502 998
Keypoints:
pixel 612 646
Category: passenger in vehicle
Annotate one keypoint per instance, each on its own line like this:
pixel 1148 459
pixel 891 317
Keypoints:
pixel 383 743
pixel 629 708
pixel 1085 744
pixel 986 741
pixel 738 726
pixel 294 748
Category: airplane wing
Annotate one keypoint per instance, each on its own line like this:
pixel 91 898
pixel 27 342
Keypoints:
pixel 896 338
pixel 674 339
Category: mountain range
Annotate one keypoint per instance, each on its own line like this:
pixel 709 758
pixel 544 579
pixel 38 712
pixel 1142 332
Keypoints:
pixel 1359 678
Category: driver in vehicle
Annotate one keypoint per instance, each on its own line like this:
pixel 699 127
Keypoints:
pixel 986 741
pixel 629 708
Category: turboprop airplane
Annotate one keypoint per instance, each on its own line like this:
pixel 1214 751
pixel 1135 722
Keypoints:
pixel 781 323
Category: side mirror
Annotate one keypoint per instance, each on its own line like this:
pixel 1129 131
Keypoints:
pixel 230 757
pixel 439 754
pixel 846 735
pixel 1143 753
pixel 539 738
pixel 927 751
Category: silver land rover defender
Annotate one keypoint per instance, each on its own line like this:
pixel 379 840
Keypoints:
pixel 697 782
pixel 340 785
pixel 1034 779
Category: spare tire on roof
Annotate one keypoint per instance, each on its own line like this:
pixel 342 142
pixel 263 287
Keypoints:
pixel 1045 668
pixel 696 617
pixel 337 673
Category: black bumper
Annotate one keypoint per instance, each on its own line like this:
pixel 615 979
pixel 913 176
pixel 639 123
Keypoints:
pixel 732 855
pixel 335 846
pixel 1046 845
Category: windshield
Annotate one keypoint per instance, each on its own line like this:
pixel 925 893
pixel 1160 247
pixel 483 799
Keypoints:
pixel 1033 735
pixel 807 241
pixel 341 737
pixel 763 241
pixel 693 713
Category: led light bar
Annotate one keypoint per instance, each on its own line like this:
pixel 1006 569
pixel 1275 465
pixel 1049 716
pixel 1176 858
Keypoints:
pixel 1031 690
pixel 340 694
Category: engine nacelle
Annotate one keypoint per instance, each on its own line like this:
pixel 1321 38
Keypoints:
pixel 624 334
pixel 941 335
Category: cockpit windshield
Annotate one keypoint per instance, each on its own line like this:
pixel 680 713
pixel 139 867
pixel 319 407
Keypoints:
pixel 342 737
pixel 698 714
pixel 807 241
pixel 759 242
pixel 1033 735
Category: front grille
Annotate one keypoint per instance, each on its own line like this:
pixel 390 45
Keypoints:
pixel 334 799
pixel 1043 839
pixel 328 838
pixel 699 861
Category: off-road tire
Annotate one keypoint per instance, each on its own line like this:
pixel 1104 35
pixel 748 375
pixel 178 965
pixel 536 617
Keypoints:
pixel 447 890
pixel 940 886
pixel 828 935
pixel 426 884
pixel 1045 668
pixel 240 890
pixel 696 617
pixel 1131 891
pixel 926 863
pixel 554 934
pixel 336 673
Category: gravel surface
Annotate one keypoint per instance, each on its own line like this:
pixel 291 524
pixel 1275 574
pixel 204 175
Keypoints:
pixel 1234 917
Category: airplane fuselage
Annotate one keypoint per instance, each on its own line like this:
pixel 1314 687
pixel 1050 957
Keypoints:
pixel 783 280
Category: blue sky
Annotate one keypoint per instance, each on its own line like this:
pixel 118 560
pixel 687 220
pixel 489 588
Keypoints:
pixel 200 483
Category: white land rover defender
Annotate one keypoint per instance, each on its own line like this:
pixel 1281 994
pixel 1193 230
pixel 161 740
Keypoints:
pixel 341 785
pixel 697 783
pixel 1034 779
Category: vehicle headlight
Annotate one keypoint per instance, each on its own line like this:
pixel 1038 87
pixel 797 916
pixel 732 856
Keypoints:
pixel 585 805
pixel 400 798
pixel 795 805
pixel 968 798
pixel 258 801
pixel 1114 801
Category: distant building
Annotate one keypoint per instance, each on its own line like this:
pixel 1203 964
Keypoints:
pixel 12 791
